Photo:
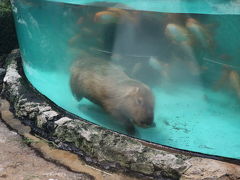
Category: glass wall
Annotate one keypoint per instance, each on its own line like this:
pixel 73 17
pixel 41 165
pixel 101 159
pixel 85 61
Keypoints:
pixel 162 71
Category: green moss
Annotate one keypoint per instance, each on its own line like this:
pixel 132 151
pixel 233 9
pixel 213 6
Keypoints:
pixel 28 141
pixel 5 5
pixel 8 40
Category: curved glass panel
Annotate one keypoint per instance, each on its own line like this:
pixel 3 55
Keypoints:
pixel 163 71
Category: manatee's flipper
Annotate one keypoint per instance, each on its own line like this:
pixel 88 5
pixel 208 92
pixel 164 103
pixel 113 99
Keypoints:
pixel 75 87
pixel 123 121
pixel 128 125
pixel 130 128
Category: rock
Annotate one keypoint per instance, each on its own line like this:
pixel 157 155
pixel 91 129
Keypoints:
pixel 62 121
pixel 120 149
pixel 44 117
pixel 208 169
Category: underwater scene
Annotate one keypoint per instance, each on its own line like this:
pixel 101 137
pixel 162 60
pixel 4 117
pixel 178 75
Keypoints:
pixel 168 73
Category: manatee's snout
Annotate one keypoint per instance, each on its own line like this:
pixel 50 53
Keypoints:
pixel 146 123
pixel 152 125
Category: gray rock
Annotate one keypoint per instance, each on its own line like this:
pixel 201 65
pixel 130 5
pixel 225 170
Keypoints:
pixel 44 117
pixel 62 121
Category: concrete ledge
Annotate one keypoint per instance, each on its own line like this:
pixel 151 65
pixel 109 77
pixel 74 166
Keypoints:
pixel 99 146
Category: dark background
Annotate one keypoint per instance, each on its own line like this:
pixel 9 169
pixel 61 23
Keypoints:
pixel 8 38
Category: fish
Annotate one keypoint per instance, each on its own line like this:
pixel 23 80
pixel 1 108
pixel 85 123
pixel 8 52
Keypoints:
pixel 130 16
pixel 200 32
pixel 115 15
pixel 231 78
pixel 155 64
pixel 106 17
pixel 178 34
pixel 160 66
pixel 234 80
pixel 118 11
pixel 221 82
pixel 73 40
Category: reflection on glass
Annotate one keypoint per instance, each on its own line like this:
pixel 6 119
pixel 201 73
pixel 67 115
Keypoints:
pixel 166 77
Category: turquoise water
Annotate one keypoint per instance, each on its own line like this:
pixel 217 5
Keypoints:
pixel 190 61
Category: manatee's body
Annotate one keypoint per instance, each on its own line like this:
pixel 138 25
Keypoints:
pixel 127 100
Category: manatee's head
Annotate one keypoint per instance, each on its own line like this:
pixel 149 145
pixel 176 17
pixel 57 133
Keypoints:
pixel 137 105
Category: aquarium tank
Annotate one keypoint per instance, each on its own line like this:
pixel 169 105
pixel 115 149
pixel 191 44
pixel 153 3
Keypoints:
pixel 167 72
